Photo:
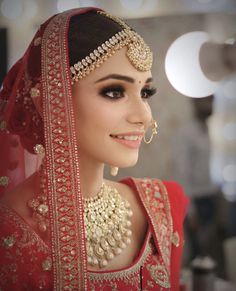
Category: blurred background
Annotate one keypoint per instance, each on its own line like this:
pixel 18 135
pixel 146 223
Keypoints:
pixel 196 141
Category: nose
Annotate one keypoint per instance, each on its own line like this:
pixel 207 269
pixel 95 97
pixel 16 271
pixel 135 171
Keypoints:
pixel 139 112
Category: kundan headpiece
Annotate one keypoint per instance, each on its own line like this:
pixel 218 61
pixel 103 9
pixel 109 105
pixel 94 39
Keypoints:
pixel 138 52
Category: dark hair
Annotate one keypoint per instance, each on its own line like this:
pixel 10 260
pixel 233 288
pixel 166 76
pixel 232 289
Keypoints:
pixel 86 32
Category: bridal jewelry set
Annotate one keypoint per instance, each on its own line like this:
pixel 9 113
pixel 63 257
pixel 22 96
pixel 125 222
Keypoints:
pixel 106 219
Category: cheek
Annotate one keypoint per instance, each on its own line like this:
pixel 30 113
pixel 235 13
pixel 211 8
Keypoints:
pixel 97 115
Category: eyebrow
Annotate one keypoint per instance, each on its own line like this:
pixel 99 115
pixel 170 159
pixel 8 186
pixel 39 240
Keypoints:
pixel 121 77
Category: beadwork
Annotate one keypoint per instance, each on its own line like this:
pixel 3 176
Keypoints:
pixel 107 226
pixel 138 52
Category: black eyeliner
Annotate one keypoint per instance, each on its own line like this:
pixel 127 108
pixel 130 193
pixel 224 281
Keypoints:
pixel 150 92
pixel 112 88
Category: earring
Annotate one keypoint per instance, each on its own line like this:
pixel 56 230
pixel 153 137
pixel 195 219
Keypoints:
pixel 154 131
pixel 114 171
pixel 39 149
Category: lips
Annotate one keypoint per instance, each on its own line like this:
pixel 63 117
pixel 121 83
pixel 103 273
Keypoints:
pixel 131 139
pixel 127 137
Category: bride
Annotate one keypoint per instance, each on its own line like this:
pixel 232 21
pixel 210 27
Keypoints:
pixel 77 100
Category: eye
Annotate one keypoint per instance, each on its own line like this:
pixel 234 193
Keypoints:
pixel 113 92
pixel 148 92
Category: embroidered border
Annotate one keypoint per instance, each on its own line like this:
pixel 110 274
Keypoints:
pixel 154 196
pixel 65 201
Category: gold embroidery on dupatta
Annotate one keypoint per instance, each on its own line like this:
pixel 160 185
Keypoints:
pixel 8 241
pixel 155 198
pixel 65 205
pixel 27 238
pixel 19 240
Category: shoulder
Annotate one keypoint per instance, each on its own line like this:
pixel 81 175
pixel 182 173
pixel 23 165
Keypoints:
pixel 171 188
pixel 175 192
pixel 169 191
pixel 178 201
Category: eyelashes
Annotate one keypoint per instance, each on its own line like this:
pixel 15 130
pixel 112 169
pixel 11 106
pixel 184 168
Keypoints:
pixel 116 92
pixel 147 93
pixel 113 92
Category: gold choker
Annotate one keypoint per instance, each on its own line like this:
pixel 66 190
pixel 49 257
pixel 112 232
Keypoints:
pixel 107 226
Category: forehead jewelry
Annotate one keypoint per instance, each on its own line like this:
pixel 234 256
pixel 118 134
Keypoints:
pixel 138 51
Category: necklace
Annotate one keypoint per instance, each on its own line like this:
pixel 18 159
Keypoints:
pixel 106 219
pixel 107 225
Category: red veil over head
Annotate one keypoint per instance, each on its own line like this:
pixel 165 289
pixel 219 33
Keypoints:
pixel 36 108
pixel 44 72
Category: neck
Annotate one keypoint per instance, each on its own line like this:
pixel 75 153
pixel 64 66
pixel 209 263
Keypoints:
pixel 91 177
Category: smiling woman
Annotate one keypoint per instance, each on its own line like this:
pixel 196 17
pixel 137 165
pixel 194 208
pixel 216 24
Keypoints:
pixel 78 99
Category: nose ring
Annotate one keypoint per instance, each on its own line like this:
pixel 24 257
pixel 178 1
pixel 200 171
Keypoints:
pixel 154 132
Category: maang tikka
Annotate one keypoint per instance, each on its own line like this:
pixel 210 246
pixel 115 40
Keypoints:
pixel 138 52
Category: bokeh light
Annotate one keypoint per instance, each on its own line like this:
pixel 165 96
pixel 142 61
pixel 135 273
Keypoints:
pixel 12 9
pixel 229 190
pixel 183 69
pixel 229 89
pixel 131 4
pixel 30 8
pixel 63 5
pixel 88 3
pixel 229 131
pixel 229 173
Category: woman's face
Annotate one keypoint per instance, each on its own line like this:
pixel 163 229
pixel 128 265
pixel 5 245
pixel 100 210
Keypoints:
pixel 112 111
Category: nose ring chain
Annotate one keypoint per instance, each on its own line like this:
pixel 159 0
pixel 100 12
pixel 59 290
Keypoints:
pixel 154 132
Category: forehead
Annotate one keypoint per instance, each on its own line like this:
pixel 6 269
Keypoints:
pixel 117 64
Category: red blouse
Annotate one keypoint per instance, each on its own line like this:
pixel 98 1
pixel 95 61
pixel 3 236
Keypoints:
pixel 25 259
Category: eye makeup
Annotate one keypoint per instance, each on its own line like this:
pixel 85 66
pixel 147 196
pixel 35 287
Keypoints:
pixel 113 92
pixel 147 93
pixel 118 91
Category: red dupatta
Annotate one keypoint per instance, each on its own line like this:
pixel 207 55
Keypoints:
pixel 44 71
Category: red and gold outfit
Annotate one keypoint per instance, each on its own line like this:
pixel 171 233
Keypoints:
pixel 26 261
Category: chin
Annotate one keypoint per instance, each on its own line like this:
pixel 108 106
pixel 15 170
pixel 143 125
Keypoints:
pixel 126 163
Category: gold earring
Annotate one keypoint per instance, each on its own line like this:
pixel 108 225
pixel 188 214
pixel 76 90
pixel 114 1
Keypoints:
pixel 154 131
pixel 114 171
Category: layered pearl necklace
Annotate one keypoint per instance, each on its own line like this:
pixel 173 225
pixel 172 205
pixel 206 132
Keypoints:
pixel 107 226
